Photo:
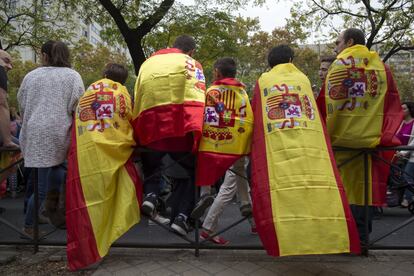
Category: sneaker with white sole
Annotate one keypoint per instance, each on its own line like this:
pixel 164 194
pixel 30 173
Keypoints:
pixel 180 225
pixel 203 203
pixel 149 204
pixel 160 219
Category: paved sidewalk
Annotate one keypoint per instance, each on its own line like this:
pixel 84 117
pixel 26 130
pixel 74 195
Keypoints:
pixel 257 263
pixel 128 261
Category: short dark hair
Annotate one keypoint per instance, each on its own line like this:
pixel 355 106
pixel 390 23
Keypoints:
pixel 116 72
pixel 356 34
pixel 280 54
pixel 226 66
pixel 329 59
pixel 185 43
pixel 410 106
pixel 57 53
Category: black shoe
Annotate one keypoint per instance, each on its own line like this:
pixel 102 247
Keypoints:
pixel 246 210
pixel 201 206
pixel 149 205
pixel 180 225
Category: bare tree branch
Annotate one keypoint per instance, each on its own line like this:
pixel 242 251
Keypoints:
pixel 156 17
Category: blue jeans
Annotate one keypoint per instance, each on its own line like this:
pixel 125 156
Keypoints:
pixel 409 168
pixel 48 179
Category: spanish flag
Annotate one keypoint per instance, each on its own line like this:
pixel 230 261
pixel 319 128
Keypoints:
pixel 363 110
pixel 299 204
pixel 169 102
pixel 103 188
pixel 227 130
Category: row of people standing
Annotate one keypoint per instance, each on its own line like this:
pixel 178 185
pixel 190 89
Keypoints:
pixel 167 117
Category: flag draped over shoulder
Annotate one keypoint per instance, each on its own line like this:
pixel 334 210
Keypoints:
pixel 362 110
pixel 227 130
pixel 103 189
pixel 169 98
pixel 299 204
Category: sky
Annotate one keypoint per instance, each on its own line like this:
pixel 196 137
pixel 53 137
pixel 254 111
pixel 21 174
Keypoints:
pixel 271 15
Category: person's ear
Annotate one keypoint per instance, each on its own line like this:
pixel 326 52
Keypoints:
pixel 350 42
pixel 191 52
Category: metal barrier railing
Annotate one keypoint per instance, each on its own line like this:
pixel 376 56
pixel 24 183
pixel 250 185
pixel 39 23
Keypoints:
pixel 196 244
pixel 373 152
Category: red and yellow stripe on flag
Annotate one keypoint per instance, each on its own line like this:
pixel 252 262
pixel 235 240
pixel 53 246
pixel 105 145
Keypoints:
pixel 103 187
pixel 363 111
pixel 227 130
pixel 169 97
pixel 299 203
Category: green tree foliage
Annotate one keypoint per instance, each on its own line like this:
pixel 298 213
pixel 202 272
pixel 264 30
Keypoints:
pixel 387 23
pixel 16 75
pixel 133 19
pixel 29 23
pixel 388 26
pixel 90 61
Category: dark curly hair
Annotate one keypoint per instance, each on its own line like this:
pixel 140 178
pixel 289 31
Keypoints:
pixel 410 106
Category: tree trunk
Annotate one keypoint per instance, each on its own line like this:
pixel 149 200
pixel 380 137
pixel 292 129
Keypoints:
pixel 135 50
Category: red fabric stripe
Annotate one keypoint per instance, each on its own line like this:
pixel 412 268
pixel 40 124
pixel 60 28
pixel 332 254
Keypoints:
pixel 211 166
pixel 132 172
pixel 167 51
pixel 171 120
pixel 354 245
pixel 81 244
pixel 262 203
pixel 393 116
pixel 229 81
pixel 321 103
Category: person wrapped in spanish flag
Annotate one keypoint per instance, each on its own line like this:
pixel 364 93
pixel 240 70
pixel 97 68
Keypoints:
pixel 168 119
pixel 299 204
pixel 226 142
pixel 103 189
pixel 363 110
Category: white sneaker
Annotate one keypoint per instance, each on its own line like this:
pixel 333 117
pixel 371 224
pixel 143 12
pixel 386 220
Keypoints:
pixel 159 219
pixel 404 203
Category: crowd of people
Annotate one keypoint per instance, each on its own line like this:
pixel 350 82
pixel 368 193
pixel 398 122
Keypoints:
pixel 87 143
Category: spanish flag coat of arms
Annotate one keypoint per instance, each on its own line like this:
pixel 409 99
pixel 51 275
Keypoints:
pixel 103 190
pixel 299 204
pixel 227 130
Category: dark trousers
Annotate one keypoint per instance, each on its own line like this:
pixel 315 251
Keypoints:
pixel 358 212
pixel 183 195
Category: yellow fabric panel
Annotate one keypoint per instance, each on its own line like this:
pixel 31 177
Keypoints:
pixel 306 204
pixel 231 132
pixel 356 86
pixel 104 144
pixel 352 174
pixel 162 78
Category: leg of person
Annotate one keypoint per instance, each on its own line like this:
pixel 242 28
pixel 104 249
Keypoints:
pixel 42 188
pixel 224 196
pixel 408 174
pixel 358 212
pixel 243 186
pixel 151 168
pixel 184 203
pixel 205 201
pixel 185 190
pixel 56 183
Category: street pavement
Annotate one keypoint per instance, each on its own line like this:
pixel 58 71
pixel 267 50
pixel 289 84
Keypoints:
pixel 150 261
